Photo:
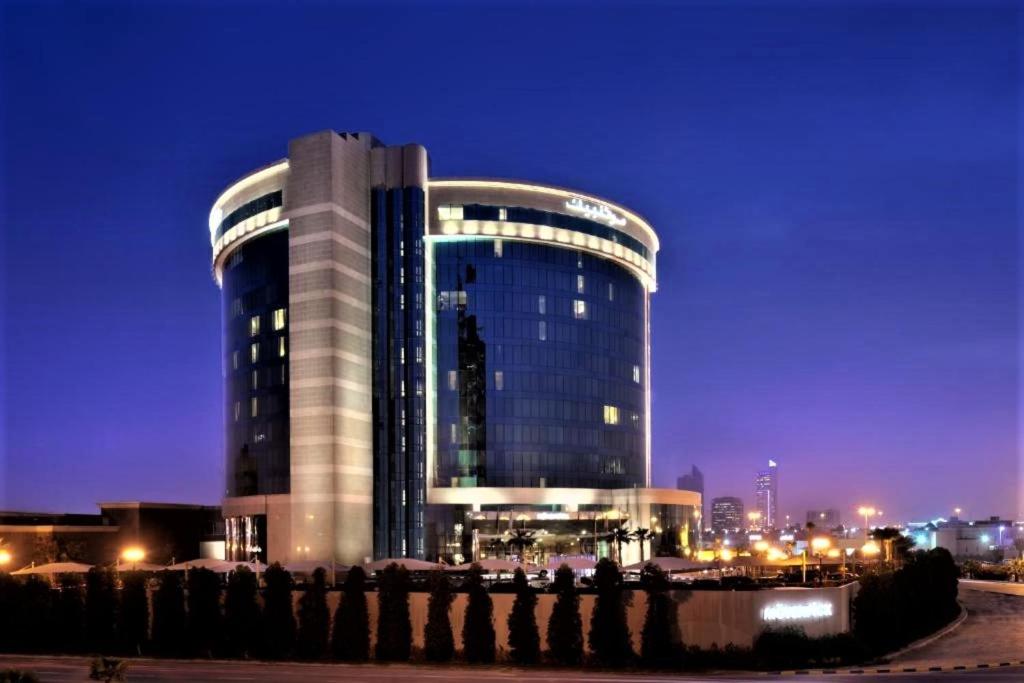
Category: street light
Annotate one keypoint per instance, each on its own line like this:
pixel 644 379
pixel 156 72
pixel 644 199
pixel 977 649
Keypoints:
pixel 866 511
pixel 5 558
pixel 133 555
pixel 820 544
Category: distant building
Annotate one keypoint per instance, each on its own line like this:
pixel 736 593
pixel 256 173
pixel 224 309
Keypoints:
pixel 694 481
pixel 965 539
pixel 766 495
pixel 726 514
pixel 166 531
pixel 828 518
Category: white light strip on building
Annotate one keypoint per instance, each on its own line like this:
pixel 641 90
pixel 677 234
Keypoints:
pixel 644 226
pixel 217 212
pixel 794 611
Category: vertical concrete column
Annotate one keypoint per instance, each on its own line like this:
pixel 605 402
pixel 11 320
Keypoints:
pixel 327 204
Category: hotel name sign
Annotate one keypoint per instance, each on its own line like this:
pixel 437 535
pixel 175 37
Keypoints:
pixel 594 212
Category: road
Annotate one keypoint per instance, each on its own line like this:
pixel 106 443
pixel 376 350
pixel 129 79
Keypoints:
pixel 70 669
pixel 993 632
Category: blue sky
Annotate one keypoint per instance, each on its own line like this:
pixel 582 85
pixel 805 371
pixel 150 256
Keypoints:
pixel 835 185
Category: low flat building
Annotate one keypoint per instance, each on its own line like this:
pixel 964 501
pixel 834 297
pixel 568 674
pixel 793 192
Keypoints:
pixel 166 531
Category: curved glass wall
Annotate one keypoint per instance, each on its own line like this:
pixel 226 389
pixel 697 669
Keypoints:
pixel 540 353
pixel 255 299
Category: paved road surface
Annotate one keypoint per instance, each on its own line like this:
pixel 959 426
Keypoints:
pixel 993 632
pixel 69 669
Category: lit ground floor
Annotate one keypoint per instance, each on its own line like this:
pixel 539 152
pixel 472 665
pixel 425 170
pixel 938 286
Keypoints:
pixel 541 526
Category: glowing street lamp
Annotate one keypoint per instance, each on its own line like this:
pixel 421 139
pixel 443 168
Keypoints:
pixel 133 555
pixel 867 512
pixel 5 557
pixel 870 549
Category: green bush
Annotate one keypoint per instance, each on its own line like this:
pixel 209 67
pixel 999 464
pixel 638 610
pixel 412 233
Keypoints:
pixel 69 614
pixel 169 626
pixel 100 609
pixel 204 613
pixel 278 615
pixel 894 608
pixel 438 640
pixel 11 599
pixel 133 613
pixel 478 639
pixel 609 636
pixel 523 636
pixel 314 619
pixel 660 644
pixel 350 639
pixel 565 626
pixel 394 628
pixel 791 648
pixel 242 614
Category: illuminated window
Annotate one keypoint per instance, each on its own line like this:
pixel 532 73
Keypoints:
pixel 454 433
pixel 447 212
pixel 419 354
pixel 254 352
pixel 542 304
pixel 502 214
pixel 255 379
pixel 542 330
pixel 280 318
pixel 580 284
pixel 254 406
pixel 611 415
pixel 499 380
pixel 499 248
pixel 636 374
pixel 453 380
pixel 254 326
pixel 579 309
pixel 281 348
pixel 419 392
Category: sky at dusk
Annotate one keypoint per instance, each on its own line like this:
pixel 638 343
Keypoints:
pixel 835 186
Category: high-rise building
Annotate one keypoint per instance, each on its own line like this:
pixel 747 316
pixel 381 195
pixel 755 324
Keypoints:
pixel 726 514
pixel 766 496
pixel 414 366
pixel 694 481
pixel 826 519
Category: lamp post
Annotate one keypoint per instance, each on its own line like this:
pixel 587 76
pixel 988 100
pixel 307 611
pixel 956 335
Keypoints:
pixel 867 512
pixel 133 556
pixel 820 545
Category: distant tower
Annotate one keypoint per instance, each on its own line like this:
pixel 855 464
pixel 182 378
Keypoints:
pixel 694 481
pixel 726 514
pixel 766 494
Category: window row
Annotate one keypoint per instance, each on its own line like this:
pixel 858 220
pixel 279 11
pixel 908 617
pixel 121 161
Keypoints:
pixel 577 386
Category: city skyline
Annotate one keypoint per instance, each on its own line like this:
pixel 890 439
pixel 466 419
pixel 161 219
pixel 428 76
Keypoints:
pixel 827 297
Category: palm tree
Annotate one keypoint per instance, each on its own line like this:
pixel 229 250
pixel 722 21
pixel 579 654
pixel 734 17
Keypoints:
pixel 642 536
pixel 620 535
pixel 522 539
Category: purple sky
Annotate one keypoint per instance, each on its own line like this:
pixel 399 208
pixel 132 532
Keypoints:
pixel 835 186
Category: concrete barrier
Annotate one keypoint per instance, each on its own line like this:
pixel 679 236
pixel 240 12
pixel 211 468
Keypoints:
pixel 706 618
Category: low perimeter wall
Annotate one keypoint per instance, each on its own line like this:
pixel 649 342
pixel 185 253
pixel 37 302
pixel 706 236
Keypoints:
pixel 706 618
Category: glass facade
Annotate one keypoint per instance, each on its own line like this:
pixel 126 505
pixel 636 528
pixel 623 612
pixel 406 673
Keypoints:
pixel 399 371
pixel 540 353
pixel 248 210
pixel 255 324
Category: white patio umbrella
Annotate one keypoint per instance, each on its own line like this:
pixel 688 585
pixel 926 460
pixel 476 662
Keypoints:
pixel 490 566
pixel 310 566
pixel 668 564
pixel 219 566
pixel 55 568
pixel 407 562
pixel 575 563
pixel 141 566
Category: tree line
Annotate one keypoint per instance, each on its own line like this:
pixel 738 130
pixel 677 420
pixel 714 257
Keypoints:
pixel 197 617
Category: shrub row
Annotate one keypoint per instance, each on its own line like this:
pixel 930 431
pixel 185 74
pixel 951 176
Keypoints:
pixel 891 609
